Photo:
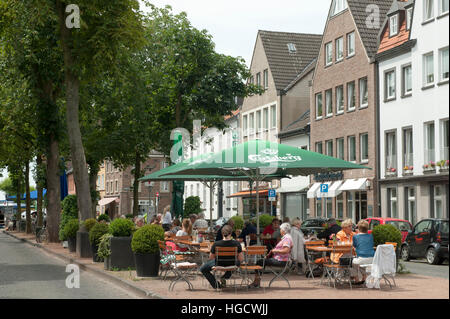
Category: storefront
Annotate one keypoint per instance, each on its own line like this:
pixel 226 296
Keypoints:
pixel 249 203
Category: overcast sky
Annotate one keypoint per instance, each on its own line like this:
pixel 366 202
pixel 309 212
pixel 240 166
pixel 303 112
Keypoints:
pixel 235 23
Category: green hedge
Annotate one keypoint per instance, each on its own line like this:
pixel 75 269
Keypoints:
pixel 89 223
pixel 104 217
pixel 121 227
pixel 70 229
pixel 264 221
pixel 69 211
pixel 97 231
pixel 145 239
pixel 238 222
pixel 386 233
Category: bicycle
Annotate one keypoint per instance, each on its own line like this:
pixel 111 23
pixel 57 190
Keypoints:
pixel 41 234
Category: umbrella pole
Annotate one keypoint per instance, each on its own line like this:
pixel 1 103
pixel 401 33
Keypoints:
pixel 210 202
pixel 257 210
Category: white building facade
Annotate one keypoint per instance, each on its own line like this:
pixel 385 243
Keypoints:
pixel 413 75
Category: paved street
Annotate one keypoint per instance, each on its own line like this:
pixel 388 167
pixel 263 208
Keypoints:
pixel 421 267
pixel 26 272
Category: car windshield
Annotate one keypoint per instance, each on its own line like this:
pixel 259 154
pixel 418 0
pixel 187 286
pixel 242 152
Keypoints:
pixel 402 226
pixel 312 223
pixel 444 228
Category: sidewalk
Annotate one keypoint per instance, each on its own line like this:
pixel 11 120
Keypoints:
pixel 409 286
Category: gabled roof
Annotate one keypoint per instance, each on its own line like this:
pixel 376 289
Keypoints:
pixel 310 67
pixel 297 126
pixel 286 65
pixel 362 13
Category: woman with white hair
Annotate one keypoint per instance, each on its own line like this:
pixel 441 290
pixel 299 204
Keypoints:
pixel 278 256
pixel 298 251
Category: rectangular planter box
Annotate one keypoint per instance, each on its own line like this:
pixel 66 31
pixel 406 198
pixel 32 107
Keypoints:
pixel 121 254
pixel 84 249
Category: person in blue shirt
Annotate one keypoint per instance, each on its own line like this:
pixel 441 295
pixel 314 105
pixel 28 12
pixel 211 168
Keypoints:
pixel 249 229
pixel 363 243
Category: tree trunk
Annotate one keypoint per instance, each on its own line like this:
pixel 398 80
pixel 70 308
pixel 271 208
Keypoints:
pixel 28 198
pixel 18 201
pixel 72 83
pixel 93 174
pixel 40 193
pixel 53 191
pixel 137 175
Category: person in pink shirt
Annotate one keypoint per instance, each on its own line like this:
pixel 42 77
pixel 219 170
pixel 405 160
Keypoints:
pixel 277 256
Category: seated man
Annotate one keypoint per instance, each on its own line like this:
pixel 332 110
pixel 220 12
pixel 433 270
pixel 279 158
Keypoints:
pixel 226 242
pixel 230 223
pixel 200 222
pixel 248 230
pixel 271 234
pixel 278 256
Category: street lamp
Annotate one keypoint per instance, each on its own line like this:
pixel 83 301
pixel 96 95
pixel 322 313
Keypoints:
pixel 150 187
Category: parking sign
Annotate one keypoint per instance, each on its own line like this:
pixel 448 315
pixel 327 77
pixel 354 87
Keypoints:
pixel 272 195
pixel 323 190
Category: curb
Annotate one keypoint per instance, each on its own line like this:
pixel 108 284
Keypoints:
pixel 121 282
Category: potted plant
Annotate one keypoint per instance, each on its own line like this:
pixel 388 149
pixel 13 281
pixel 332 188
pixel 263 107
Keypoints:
pixel 103 218
pixel 238 224
pixel 95 234
pixel 391 172
pixel 429 167
pixel 443 166
pixel 104 249
pixel 69 211
pixel 121 256
pixel 69 233
pixel 408 170
pixel 146 250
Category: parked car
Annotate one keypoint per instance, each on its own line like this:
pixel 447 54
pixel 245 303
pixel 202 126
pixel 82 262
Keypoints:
pixel 402 225
pixel 313 225
pixel 428 239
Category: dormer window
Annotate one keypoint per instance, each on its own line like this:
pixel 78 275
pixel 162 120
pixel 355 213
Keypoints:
pixel 339 6
pixel 291 48
pixel 409 13
pixel 393 25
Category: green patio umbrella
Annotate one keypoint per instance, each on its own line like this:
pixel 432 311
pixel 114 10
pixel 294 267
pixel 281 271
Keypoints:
pixel 209 181
pixel 257 159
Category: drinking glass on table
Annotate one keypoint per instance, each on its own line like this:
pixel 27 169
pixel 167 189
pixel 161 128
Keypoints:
pixel 247 240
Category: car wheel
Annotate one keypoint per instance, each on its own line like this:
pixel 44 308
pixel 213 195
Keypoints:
pixel 432 256
pixel 405 253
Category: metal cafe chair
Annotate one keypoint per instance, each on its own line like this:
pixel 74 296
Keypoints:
pixel 338 272
pixel 223 255
pixel 252 254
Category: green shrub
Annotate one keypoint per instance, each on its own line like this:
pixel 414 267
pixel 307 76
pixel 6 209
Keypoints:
pixel 104 246
pixel 145 239
pixel 69 211
pixel 130 216
pixel 238 222
pixel 121 227
pixel 70 229
pixel 104 217
pixel 192 205
pixel 97 231
pixel 89 223
pixel 265 220
pixel 386 233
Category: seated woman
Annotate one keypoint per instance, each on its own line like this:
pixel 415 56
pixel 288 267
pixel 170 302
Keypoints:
pixel 270 234
pixel 186 230
pixel 363 243
pixel 277 256
pixel 175 228
pixel 343 236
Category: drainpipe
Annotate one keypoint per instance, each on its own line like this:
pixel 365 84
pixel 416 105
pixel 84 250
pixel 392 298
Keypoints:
pixel 377 128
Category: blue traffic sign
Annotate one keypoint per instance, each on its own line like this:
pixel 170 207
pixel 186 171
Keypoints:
pixel 324 188
pixel 272 193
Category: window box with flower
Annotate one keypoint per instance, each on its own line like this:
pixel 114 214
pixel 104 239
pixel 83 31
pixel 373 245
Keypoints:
pixel 429 167
pixel 443 166
pixel 408 170
pixel 391 172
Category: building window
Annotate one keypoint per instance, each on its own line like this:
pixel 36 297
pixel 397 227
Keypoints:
pixel 351 96
pixel 244 124
pixel 429 143
pixel 258 121
pixel 428 69
pixel 444 140
pixel 409 13
pixel 392 203
pixel 258 79
pixel 117 186
pixel 363 93
pixel 410 211
pixel 443 6
pixel 329 146
pixel 364 144
pixel 351 44
pixel 428 13
pixel 319 108
pixel 273 115
pixel 340 148
pixel 352 149
pixel 329 53
pixel 350 204
pixel 252 80
pixel 340 99
pixel 443 64
pixel 266 118
pixel 408 156
pixel 319 148
pixel 391 153
pixel 266 78
pixel 291 48
pixel 393 25
pixel 407 80
pixel 318 207
pixel 437 201
pixel 339 6
pixel 251 123
pixel 329 102
pixel 389 88
pixel 340 206
pixel 339 49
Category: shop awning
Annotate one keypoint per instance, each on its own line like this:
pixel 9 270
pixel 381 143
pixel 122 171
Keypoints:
pixel 312 193
pixel 106 201
pixel 354 185
pixel 335 190
pixel 263 192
